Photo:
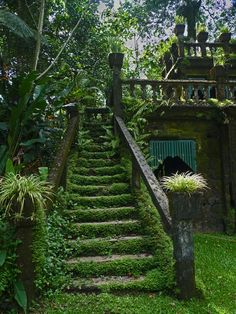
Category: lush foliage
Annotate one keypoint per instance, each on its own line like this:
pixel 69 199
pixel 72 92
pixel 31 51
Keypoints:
pixel 184 182
pixel 217 282
pixel 16 189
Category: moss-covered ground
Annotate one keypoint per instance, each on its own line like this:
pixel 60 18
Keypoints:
pixel 216 276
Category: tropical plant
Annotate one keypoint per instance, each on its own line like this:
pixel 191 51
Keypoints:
pixel 224 29
pixel 179 19
pixel 16 189
pixel 219 57
pixel 116 45
pixel 201 27
pixel 110 139
pixel 184 182
pixel 15 24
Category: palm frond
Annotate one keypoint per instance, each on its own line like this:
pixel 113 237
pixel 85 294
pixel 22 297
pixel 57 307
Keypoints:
pixel 15 24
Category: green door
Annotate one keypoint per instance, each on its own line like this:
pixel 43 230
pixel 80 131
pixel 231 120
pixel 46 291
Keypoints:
pixel 184 149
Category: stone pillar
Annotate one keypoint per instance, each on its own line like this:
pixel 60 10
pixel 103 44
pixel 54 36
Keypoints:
pixel 24 233
pixel 218 73
pixel 184 209
pixel 116 63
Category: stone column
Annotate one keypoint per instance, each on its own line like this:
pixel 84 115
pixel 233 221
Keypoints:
pixel 184 209
pixel 116 63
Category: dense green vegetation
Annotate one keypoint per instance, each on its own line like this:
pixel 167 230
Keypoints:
pixel 215 270
pixel 54 53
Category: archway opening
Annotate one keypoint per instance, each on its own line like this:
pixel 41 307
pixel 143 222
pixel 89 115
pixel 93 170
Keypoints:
pixel 170 166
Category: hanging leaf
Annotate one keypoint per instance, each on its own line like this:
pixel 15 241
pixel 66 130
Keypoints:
pixel 3 255
pixel 20 295
pixel 34 141
pixel 9 166
pixel 43 173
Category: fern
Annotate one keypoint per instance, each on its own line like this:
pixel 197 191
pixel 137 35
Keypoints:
pixel 15 24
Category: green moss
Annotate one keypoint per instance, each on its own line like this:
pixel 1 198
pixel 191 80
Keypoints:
pixel 105 230
pixel 8 269
pixel 85 180
pixel 93 215
pixel 97 155
pixel 95 190
pixel 117 169
pixel 101 201
pixel 94 147
pixel 116 246
pixel 84 162
pixel 122 267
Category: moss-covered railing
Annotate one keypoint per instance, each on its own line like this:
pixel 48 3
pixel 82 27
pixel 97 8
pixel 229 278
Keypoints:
pixel 201 49
pixel 180 90
pixel 141 168
pixel 57 174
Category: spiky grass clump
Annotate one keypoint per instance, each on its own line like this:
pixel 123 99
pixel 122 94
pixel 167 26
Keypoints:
pixel 15 189
pixel 184 182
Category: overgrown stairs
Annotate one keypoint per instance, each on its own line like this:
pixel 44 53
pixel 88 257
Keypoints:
pixel 110 246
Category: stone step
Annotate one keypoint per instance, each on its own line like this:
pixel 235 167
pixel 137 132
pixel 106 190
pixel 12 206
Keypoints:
pixel 118 265
pixel 101 214
pixel 101 201
pixel 94 147
pixel 98 190
pixel 91 163
pixel 98 180
pixel 105 259
pixel 106 229
pixel 116 245
pixel 97 155
pixel 95 171
pixel 96 284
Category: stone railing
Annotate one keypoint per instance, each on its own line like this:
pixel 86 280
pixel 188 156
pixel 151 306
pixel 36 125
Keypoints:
pixel 173 214
pixel 205 49
pixel 180 90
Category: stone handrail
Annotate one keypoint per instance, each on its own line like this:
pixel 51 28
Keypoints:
pixel 205 49
pixel 57 174
pixel 177 90
pixel 141 168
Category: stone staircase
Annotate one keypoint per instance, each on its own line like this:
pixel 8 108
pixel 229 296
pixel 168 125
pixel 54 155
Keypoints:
pixel 110 244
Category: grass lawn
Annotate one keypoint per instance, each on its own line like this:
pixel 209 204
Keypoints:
pixel 216 276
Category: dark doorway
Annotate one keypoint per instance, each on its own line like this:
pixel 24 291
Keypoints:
pixel 170 166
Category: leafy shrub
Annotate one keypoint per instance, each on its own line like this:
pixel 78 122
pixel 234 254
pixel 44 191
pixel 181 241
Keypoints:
pixel 15 189
pixel 184 182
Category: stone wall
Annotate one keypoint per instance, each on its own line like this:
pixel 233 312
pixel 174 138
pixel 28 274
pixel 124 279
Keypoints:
pixel 214 136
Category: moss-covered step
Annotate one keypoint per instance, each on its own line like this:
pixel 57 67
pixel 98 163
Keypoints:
pixel 97 155
pixel 101 214
pixel 118 265
pixel 92 180
pixel 106 229
pixel 153 280
pixel 100 284
pixel 93 147
pixel 95 190
pixel 91 163
pixel 109 170
pixel 101 201
pixel 115 245
pixel 101 124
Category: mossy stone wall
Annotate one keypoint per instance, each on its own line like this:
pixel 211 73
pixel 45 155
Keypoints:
pixel 206 126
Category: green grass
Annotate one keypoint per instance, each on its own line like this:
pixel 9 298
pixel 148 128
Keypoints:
pixel 216 276
pixel 94 215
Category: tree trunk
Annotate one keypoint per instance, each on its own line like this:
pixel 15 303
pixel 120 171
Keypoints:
pixel 39 34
